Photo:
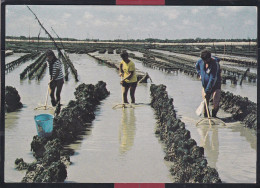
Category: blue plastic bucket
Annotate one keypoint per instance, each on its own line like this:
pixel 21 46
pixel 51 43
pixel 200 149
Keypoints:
pixel 44 124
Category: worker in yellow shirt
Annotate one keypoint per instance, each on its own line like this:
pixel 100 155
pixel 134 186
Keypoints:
pixel 129 78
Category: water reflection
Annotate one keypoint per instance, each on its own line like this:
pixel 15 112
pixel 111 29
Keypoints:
pixel 210 142
pixel 127 130
pixel 246 133
pixel 11 119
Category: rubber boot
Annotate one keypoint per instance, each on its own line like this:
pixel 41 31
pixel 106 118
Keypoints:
pixel 53 102
pixel 58 108
pixel 214 112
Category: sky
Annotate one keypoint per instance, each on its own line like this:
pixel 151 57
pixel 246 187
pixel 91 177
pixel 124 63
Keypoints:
pixel 133 22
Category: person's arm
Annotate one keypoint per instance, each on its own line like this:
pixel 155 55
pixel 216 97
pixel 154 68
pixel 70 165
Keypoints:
pixel 216 58
pixel 212 78
pixel 197 66
pixel 131 72
pixel 48 65
pixel 121 72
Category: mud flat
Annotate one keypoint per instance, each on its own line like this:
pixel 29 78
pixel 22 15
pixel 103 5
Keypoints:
pixel 190 164
pixel 52 159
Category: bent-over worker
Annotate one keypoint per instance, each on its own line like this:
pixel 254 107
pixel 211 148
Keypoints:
pixel 208 69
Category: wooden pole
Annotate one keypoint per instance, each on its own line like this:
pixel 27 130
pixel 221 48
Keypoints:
pixel 205 100
pixel 38 39
pixel 46 100
pixel 207 111
pixel 59 39
pixel 55 44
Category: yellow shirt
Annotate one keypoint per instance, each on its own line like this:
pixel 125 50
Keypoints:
pixel 127 68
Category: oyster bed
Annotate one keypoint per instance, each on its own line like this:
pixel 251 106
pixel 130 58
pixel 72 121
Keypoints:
pixel 51 157
pixel 190 164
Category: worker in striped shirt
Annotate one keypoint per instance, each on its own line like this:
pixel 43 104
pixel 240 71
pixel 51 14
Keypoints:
pixel 56 77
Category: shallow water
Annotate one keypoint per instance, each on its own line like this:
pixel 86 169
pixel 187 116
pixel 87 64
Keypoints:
pixel 13 57
pixel 121 145
pixel 19 126
pixel 125 138
pixel 186 92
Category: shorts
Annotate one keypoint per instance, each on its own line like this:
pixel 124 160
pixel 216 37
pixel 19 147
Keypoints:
pixel 57 83
pixel 132 84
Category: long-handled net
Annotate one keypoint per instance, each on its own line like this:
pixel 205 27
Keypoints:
pixel 44 106
pixel 126 105
pixel 213 121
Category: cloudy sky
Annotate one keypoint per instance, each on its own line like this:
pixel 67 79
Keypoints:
pixel 134 22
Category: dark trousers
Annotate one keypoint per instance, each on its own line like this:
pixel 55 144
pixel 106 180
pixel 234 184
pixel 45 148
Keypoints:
pixel 125 88
pixel 216 94
pixel 52 87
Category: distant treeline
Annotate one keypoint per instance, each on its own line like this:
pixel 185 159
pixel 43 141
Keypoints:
pixel 36 38
pixel 140 40
pixel 199 40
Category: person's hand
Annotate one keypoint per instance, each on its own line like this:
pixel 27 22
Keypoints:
pixel 50 82
pixel 120 74
pixel 122 81
pixel 207 96
pixel 200 78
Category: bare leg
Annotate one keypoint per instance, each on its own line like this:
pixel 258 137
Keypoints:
pixel 132 92
pixel 125 91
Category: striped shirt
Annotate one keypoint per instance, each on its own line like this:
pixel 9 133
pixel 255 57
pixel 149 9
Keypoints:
pixel 56 66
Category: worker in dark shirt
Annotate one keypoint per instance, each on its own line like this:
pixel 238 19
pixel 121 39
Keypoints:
pixel 208 69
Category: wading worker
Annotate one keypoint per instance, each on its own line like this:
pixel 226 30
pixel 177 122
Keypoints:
pixel 129 79
pixel 208 69
pixel 56 77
